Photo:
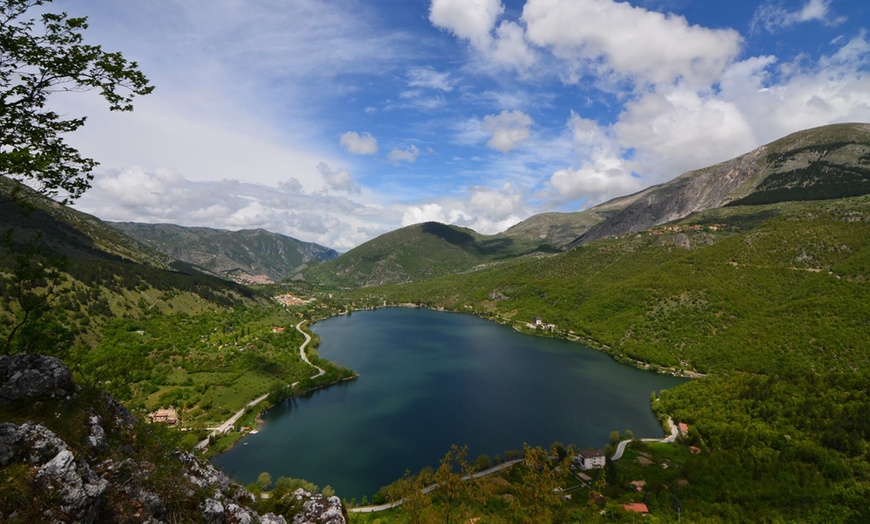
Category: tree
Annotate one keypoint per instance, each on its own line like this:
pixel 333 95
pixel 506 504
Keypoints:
pixel 264 480
pixel 39 57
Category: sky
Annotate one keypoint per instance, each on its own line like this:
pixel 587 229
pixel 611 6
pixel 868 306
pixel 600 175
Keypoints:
pixel 334 121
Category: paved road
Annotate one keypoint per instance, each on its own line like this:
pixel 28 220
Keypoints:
pixel 223 428
pixel 302 354
pixel 620 448
pixel 429 489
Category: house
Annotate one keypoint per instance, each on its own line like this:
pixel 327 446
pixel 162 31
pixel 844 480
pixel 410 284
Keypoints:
pixel 590 459
pixel 637 507
pixel 278 329
pixel 638 484
pixel 684 428
pixel 694 450
pixel 164 416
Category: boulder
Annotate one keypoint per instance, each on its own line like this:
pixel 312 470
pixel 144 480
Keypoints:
pixel 27 376
pixel 316 509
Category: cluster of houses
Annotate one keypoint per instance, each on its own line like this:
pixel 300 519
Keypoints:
pixel 288 299
pixel 539 324
pixel 683 229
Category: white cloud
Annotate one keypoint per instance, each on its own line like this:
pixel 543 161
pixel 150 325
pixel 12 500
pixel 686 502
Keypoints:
pixel 495 204
pixel 603 35
pixel 164 196
pixel 680 129
pixel 338 179
pixel 510 48
pixel 468 19
pixel 773 16
pixel 508 129
pixel 603 173
pixel 409 155
pixel 364 144
pixel 428 78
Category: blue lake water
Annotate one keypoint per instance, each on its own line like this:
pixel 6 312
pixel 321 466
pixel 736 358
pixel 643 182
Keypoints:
pixel 430 379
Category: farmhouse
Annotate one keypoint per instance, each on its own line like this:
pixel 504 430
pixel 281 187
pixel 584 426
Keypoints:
pixel 164 416
pixel 590 459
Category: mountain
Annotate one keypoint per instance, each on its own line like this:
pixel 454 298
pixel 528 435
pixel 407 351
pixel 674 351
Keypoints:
pixel 418 252
pixel 559 229
pixel 253 256
pixel 101 273
pixel 821 163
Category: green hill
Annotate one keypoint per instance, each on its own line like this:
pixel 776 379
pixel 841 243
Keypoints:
pixel 418 252
pixel 102 274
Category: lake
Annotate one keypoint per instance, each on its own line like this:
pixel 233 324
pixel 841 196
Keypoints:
pixel 430 379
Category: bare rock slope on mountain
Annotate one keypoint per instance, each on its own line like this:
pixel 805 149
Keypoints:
pixel 821 163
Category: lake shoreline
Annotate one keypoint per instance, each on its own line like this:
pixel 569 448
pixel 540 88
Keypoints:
pixel 319 425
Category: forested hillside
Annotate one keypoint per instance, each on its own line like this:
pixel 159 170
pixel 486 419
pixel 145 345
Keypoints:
pixel 770 301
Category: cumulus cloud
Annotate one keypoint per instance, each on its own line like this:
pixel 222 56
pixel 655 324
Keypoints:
pixel 481 212
pixel 469 19
pixel 359 144
pixel 408 155
pixel 495 204
pixel 338 179
pixel 629 41
pixel 603 173
pixel 773 16
pixel 680 129
pixel 508 129
pixel 475 21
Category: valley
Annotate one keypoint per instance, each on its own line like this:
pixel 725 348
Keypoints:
pixel 759 289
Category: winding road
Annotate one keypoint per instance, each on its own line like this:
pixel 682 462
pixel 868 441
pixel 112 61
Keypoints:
pixel 620 448
pixel 230 422
pixel 433 487
pixel 302 354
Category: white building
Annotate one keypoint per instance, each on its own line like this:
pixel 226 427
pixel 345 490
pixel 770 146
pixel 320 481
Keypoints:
pixel 590 459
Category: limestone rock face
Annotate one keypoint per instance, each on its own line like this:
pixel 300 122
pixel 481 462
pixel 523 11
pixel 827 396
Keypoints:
pixel 78 488
pixel 316 509
pixel 34 377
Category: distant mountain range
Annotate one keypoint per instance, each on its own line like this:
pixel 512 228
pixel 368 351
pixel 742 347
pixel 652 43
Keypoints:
pixel 248 256
pixel 822 163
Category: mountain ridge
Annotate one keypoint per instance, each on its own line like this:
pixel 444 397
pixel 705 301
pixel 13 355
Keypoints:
pixel 248 255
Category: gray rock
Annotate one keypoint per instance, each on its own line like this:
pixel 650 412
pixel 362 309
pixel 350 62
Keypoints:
pixel 203 474
pixel 236 514
pixel 271 518
pixel 34 377
pixel 213 512
pixel 29 443
pixel 317 510
pixel 97 439
pixel 79 488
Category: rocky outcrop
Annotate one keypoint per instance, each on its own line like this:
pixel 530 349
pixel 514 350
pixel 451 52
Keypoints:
pixel 28 377
pixel 689 193
pixel 76 490
pixel 317 509
pixel 92 468
pixel 821 163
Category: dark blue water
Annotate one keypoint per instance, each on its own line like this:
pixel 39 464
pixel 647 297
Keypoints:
pixel 429 380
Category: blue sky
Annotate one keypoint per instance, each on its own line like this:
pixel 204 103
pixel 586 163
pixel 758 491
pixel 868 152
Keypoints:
pixel 334 121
